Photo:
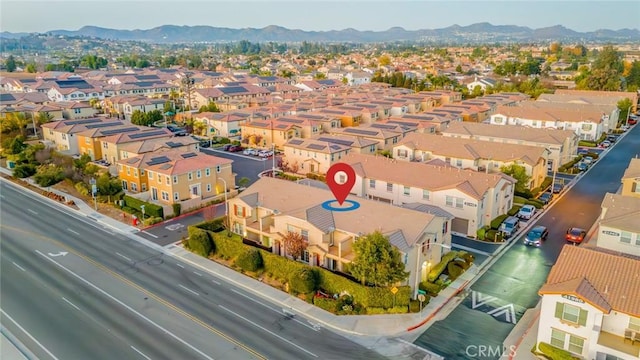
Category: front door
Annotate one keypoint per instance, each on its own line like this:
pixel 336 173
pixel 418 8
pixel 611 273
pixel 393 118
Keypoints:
pixel 313 168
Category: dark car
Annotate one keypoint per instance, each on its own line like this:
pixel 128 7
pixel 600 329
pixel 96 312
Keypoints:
pixel 575 235
pixel 235 148
pixel 536 236
pixel 581 166
pixel 205 143
pixel 545 198
pixel 557 188
pixel 226 147
pixel 612 139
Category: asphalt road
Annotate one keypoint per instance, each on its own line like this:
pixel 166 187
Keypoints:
pixel 214 304
pixel 244 166
pixel 499 297
pixel 172 231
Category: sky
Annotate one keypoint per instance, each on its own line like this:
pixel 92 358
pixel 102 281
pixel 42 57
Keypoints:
pixel 315 15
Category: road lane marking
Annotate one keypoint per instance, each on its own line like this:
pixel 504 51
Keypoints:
pixel 19 267
pixel 70 303
pixel 179 265
pixel 216 282
pixel 150 234
pixel 29 335
pixel 284 311
pixel 267 330
pixel 140 352
pixel 98 289
pixel 197 273
pixel 33 212
pixel 73 232
pixel 189 290
pixel 124 257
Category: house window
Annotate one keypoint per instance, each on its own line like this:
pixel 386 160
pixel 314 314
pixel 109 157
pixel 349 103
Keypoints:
pixel 372 183
pixel 557 338
pixel 128 170
pixel 144 187
pixel 576 344
pixel 305 234
pixel 175 179
pixel 459 203
pixel 159 178
pixel 87 140
pixel 372 148
pixel 134 186
pixel 135 172
pixel 218 169
pixel 141 172
pixel 389 187
pixel 189 175
pixel 459 162
pixel 64 136
pixel 176 196
pixel 570 313
pixel 425 194
pixel 207 172
pixel 625 237
pixel 76 111
pixel 449 201
pixel 239 210
pixel 198 174
pixel 125 155
pixel 634 324
pixel 586 127
pixel 124 184
pixel 169 180
pixel 165 196
pixel 406 190
pixel 208 187
pixel 105 145
pixel 402 153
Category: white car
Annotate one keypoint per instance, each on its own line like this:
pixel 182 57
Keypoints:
pixel 625 127
pixel 526 212
pixel 249 151
pixel 265 153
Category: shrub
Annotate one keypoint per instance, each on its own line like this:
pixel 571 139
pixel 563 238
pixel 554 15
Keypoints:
pixel 149 209
pixel 152 220
pixel 466 256
pixel 24 170
pixel 250 260
pixel 224 140
pixel 546 183
pixel 512 212
pixel 536 203
pixel 493 236
pixel 304 280
pixel 431 288
pixel 329 305
pixel 555 353
pixel 441 266
pixel 526 193
pixel 463 264
pixel 376 311
pixel 481 232
pixel 199 242
pixel 495 223
pixel 414 305
pixel 215 225
pixel 398 310
pixel 176 209
pixel 48 175
pixel 82 188
pixel 454 270
pixel 519 200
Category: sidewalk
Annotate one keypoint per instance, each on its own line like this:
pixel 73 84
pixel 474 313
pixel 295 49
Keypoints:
pixel 524 335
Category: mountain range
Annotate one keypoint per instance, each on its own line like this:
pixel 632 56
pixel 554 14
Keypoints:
pixel 480 32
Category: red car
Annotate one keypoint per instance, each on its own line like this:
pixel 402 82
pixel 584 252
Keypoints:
pixel 575 235
pixel 632 121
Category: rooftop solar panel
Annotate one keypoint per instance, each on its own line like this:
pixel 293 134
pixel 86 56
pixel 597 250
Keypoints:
pixel 337 141
pixel 308 116
pixel 79 84
pixel 158 160
pixel 281 126
pixel 132 160
pixel 83 121
pixel 146 134
pixel 172 144
pixel 335 147
pixel 383 126
pixel 118 131
pixel 101 125
pixel 290 120
pixel 360 132
pixel 147 77
pixel 232 90
pixel 332 111
pixel 188 155
pixel 296 142
pixel 7 97
pixel 316 147
pixel 28 81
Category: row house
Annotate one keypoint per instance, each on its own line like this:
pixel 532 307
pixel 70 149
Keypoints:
pixel 483 156
pixel 268 81
pixel 590 304
pixel 112 142
pixel 439 121
pixel 142 104
pixel 443 96
pixel 7 99
pixel 385 138
pixel 609 113
pixel 618 228
pixel 176 177
pixel 89 140
pixel 631 179
pixel 271 208
pixel 348 117
pixel 426 102
pixel 223 94
pixel 74 90
pixel 588 125
pixel 562 144
pixel 225 124
pixel 61 134
pixel 146 88
pixel 601 97
pixel 419 126
pixel 51 110
pixel 473 198
pixel 316 156
pixel 319 85
pixel 274 132
pixel 356 78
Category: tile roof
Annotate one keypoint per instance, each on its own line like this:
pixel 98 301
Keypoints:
pixel 528 111
pixel 542 136
pixel 173 162
pixel 316 145
pixel 633 170
pixel 154 144
pixel 621 212
pixel 473 149
pixel 615 279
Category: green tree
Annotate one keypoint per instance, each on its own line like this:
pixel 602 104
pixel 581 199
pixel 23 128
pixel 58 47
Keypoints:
pixel 31 68
pixel 624 106
pixel 520 174
pixel 605 72
pixel 210 107
pixel 10 64
pixel 633 79
pixel 108 186
pixel 138 117
pixel 477 91
pixel 377 261
pixel 459 68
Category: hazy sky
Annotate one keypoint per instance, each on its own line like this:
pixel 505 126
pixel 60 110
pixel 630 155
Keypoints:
pixel 40 16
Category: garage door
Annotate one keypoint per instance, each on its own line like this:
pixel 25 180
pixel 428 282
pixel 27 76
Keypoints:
pixel 460 225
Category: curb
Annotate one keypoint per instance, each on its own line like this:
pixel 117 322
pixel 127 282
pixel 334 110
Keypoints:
pixel 435 312
pixel 176 218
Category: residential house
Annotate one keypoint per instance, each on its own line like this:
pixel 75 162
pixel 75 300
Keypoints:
pixel 304 156
pixel 74 90
pixel 111 143
pixel 483 83
pixel 591 304
pixel 347 117
pixel 610 113
pixel 177 177
pixel 618 228
pixel 473 154
pixel 271 207
pixel 386 138
pixel 355 78
pixel 225 124
pixel 358 145
pixel 61 134
pixel 77 110
pixel 601 97
pixel 562 144
pixel 631 179
pixel 178 143
pixel 143 104
pixel 273 132
pixel 89 139
pixel 473 198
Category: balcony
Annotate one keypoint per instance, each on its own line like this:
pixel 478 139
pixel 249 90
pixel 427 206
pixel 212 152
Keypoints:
pixel 619 343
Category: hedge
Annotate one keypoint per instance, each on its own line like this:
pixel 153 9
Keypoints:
pixel 329 305
pixel 481 233
pixel 227 247
pixel 215 225
pixel 441 266
pixel 151 221
pixel 149 209
pixel 304 280
pixel 431 288
pixel 536 203
pixel 555 353
pixel 250 260
pixel 199 242
pixel 493 236
pixel 495 223
pixel 512 212
pixel 454 270
pixel 519 200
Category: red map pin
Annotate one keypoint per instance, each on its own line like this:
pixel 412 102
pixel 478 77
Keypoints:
pixel 341 177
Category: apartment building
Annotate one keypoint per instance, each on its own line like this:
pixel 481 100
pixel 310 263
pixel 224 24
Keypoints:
pixel 591 304
pixel 562 144
pixel 482 156
pixel 473 198
pixel 272 207
pixel 61 134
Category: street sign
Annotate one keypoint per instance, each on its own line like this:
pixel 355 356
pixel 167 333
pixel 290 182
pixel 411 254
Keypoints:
pixel 394 290
pixel 421 297
pixel 422 292
pixel 94 189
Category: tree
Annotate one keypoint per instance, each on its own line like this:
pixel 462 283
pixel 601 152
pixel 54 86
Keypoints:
pixel 459 68
pixel 633 78
pixel 244 182
pixel 10 64
pixel 210 107
pixel 138 117
pixel 520 174
pixel 605 72
pixel 294 244
pixel 108 186
pixel 31 68
pixel 384 60
pixel 377 261
pixel 624 106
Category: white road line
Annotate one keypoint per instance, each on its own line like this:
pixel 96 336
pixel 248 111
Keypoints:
pixel 70 303
pixel 29 335
pixel 125 306
pixel 189 290
pixel 73 232
pixel 124 257
pixel 19 267
pixel 150 234
pixel 140 352
pixel 215 282
pixel 31 211
pixel 275 310
pixel 197 273
pixel 179 265
pixel 266 330
pixel 1 196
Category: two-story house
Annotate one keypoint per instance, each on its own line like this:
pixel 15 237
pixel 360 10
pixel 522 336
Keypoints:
pixel 591 304
pixel 473 198
pixel 111 143
pixel 313 155
pixel 176 177
pixel 226 124
pixel 385 139
pixel 618 228
pixel 61 134
pixel 631 179
pixel 483 156
pixel 562 144
pixel 270 208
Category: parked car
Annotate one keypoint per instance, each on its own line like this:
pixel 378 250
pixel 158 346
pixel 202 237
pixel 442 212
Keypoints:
pixel 250 151
pixel 583 151
pixel 575 235
pixel 632 121
pixel 536 236
pixel 612 139
pixel 226 147
pixel 526 212
pixel 235 148
pixel 204 143
pixel 587 160
pixel 509 226
pixel 557 188
pixel 265 153
pixel 546 197
pixel 605 144
pixel 582 166
pixel 625 127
